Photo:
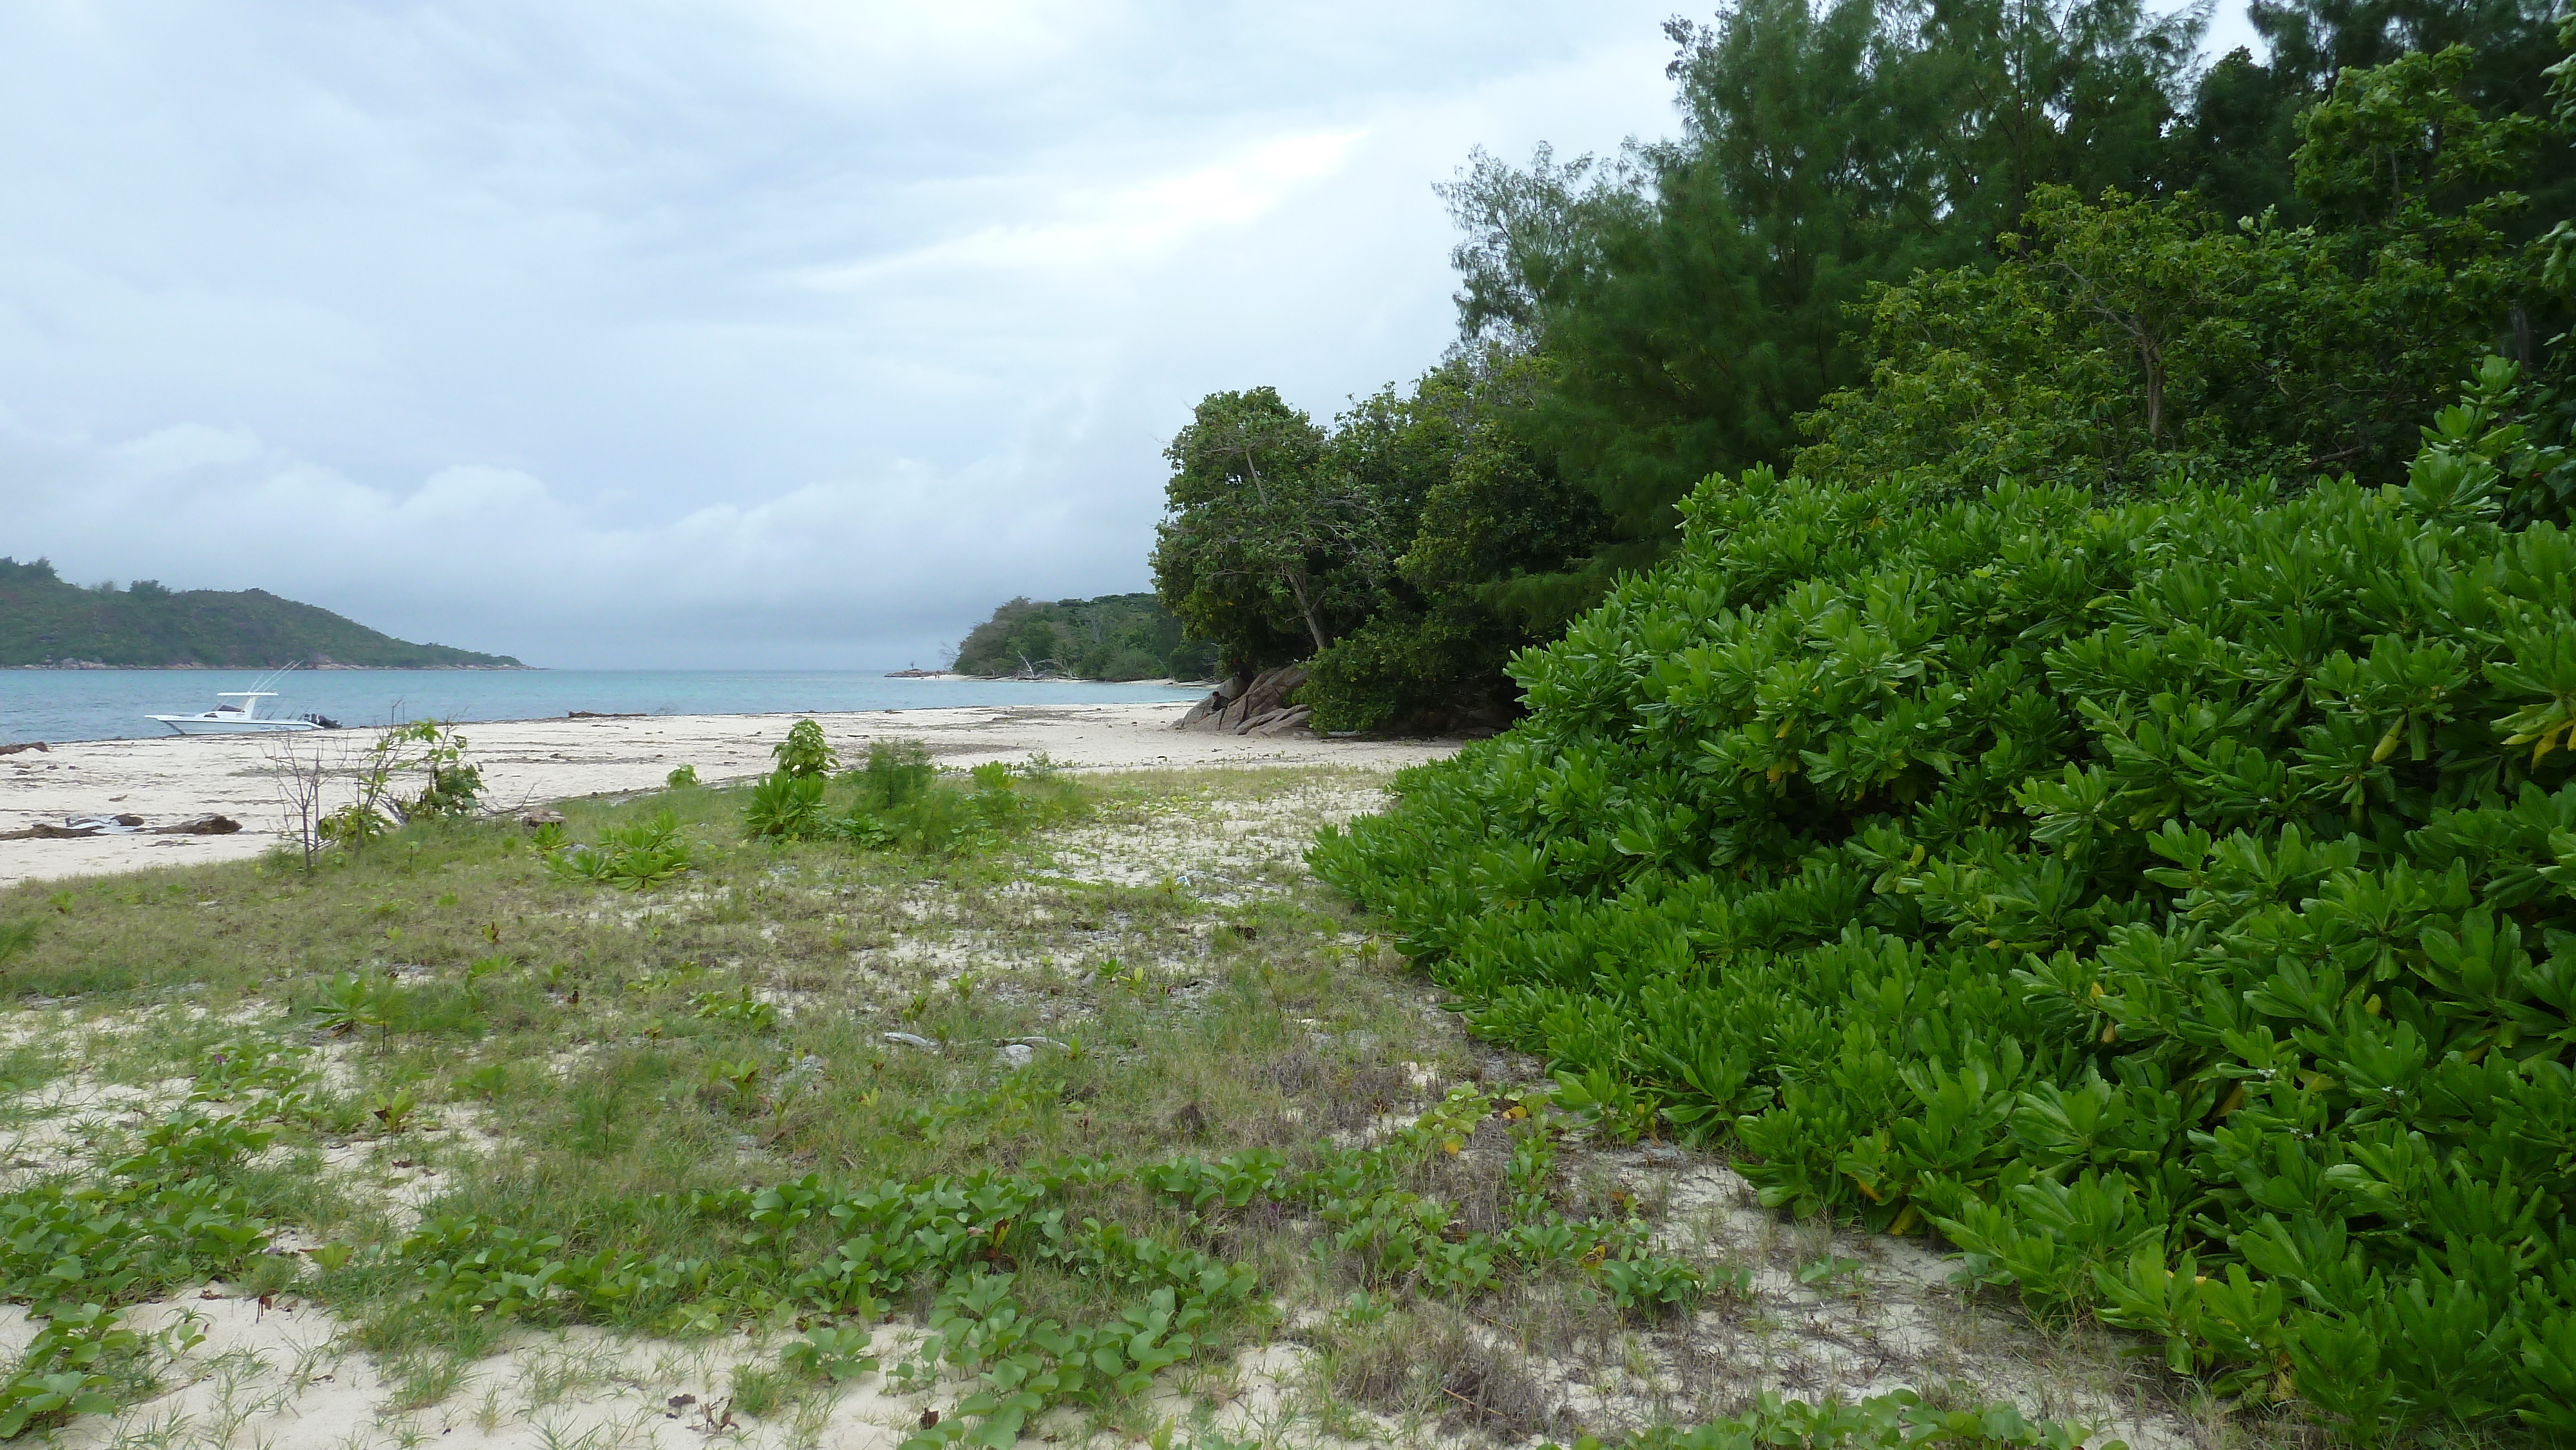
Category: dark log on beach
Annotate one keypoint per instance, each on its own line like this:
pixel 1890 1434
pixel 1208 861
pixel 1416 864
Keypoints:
pixel 205 825
pixel 89 827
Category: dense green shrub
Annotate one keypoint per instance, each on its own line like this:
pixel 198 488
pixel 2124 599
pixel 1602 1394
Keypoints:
pixel 896 798
pixel 906 804
pixel 1395 671
pixel 2169 902
pixel 2069 315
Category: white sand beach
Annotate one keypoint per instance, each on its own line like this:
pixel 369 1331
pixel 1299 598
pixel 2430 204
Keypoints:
pixel 528 762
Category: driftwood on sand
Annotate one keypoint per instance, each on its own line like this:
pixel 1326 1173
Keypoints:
pixel 82 828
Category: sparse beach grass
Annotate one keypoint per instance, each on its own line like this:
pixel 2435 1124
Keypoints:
pixel 478 1150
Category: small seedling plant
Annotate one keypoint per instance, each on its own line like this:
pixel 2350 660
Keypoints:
pixel 829 1352
pixel 633 857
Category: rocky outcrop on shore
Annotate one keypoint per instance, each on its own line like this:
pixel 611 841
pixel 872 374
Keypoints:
pixel 1252 705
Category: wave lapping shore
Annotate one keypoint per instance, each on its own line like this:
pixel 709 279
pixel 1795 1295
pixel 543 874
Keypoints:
pixel 58 705
pixel 79 664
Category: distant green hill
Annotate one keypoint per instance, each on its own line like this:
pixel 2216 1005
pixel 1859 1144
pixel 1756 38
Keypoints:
pixel 1113 637
pixel 44 621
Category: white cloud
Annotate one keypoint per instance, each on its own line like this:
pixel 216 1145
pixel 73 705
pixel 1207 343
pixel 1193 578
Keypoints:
pixel 779 332
pixel 1106 236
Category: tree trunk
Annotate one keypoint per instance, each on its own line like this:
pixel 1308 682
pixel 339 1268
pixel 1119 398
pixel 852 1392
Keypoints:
pixel 2154 358
pixel 1306 610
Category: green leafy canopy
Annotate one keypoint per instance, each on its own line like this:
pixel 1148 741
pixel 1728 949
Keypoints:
pixel 1112 637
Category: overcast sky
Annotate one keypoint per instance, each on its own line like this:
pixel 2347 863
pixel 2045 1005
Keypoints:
pixel 677 333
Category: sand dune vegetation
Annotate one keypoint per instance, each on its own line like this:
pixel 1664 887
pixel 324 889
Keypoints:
pixel 1087 1116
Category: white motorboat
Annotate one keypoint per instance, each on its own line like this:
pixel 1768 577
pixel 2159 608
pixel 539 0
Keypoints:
pixel 241 719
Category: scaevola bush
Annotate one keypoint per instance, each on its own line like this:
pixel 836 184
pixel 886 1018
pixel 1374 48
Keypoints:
pixel 2169 903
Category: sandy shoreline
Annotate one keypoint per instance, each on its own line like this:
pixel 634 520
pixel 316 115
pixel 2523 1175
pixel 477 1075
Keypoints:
pixel 171 779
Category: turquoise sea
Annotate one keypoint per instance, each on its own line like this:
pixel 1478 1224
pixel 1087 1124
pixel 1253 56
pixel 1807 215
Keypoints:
pixel 55 705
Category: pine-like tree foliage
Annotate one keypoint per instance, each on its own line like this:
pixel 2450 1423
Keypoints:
pixel 2121 341
pixel 1695 296
pixel 2234 148
pixel 2173 903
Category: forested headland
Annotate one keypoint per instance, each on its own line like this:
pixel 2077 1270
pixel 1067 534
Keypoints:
pixel 2034 578
pixel 1113 637
pixel 45 620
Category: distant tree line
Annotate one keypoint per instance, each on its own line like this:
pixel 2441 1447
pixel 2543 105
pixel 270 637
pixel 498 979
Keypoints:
pixel 1113 637
pixel 2031 240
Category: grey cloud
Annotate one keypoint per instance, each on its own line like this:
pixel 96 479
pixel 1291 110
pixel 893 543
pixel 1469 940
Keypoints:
pixel 765 334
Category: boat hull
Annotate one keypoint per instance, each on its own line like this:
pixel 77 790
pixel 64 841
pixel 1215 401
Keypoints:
pixel 201 725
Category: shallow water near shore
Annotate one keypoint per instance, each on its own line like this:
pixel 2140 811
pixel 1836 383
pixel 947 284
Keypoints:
pixel 59 705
